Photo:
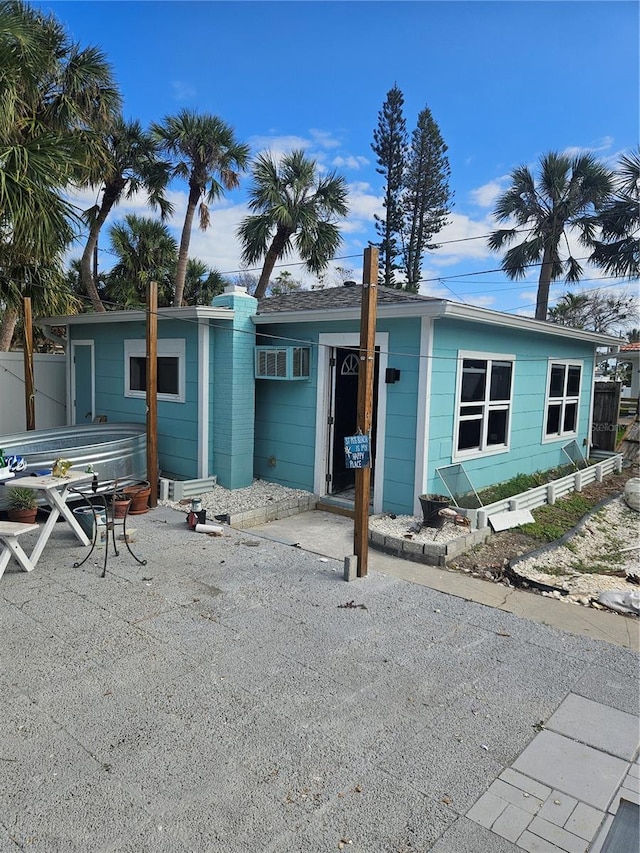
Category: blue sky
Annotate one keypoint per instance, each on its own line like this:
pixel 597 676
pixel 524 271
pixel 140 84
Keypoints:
pixel 506 81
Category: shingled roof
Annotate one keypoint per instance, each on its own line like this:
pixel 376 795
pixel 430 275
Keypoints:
pixel 335 297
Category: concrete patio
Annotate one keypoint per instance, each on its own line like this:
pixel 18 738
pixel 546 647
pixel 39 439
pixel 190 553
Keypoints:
pixel 236 694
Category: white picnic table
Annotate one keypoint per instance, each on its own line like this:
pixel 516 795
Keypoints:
pixel 55 491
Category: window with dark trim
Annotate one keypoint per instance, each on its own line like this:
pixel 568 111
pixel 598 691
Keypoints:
pixel 563 399
pixel 168 375
pixel 170 369
pixel 484 405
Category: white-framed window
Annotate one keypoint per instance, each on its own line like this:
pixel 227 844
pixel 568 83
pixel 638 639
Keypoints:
pixel 564 380
pixel 484 397
pixel 171 369
pixel 283 362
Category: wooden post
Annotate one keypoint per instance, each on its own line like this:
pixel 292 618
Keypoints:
pixel 29 393
pixel 365 403
pixel 152 391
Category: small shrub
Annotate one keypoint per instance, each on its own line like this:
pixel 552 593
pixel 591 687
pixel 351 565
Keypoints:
pixel 521 483
pixel 553 521
pixel 22 497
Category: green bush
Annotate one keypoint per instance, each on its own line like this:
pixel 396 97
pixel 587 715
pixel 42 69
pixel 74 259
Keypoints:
pixel 553 521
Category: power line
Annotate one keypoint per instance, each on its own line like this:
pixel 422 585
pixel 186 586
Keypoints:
pixel 316 345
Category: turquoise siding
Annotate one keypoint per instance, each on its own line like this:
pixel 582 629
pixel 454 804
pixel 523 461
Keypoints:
pixel 527 453
pixel 286 410
pixel 232 390
pixel 267 428
pixel 401 420
pixel 286 414
pixel 177 422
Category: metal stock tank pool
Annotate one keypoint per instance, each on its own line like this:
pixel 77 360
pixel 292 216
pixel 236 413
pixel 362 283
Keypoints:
pixel 116 451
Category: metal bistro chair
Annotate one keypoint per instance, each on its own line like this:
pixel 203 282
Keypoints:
pixel 100 500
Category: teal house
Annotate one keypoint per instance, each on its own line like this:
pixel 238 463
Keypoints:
pixel 268 390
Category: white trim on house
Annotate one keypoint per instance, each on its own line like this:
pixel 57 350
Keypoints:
pixel 436 308
pixel 486 404
pixel 167 348
pixel 326 342
pixel 203 401
pixel 562 435
pixel 424 410
pixel 187 312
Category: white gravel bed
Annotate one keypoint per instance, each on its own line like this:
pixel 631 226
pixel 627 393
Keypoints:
pixel 230 501
pixel 599 542
pixel 410 527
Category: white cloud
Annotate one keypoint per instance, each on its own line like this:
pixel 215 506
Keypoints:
pixel 183 91
pixel 481 301
pixel 278 145
pixel 349 162
pixel 461 239
pixel 323 138
pixel 363 205
pixel 486 195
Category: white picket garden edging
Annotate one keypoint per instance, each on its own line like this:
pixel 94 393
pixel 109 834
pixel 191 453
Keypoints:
pixel 548 493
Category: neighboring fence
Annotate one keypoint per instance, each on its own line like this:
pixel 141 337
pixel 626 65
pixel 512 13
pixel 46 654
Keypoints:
pixel 606 410
pixel 50 391
pixel 548 493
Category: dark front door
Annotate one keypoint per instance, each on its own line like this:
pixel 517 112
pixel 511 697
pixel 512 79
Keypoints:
pixel 345 415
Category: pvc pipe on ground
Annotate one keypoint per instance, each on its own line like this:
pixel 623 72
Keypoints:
pixel 208 528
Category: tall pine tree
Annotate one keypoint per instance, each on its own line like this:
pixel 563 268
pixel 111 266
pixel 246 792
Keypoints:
pixel 426 197
pixel 390 146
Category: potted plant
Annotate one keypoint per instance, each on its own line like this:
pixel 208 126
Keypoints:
pixel 139 494
pixel 120 502
pixel 23 506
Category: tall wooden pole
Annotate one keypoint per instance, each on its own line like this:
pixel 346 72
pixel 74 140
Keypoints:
pixel 152 391
pixel 368 311
pixel 29 393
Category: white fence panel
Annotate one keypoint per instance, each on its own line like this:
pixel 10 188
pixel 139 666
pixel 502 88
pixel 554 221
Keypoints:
pixel 540 495
pixel 49 377
pixel 529 500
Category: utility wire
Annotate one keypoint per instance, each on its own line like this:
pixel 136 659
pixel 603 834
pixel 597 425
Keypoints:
pixel 285 339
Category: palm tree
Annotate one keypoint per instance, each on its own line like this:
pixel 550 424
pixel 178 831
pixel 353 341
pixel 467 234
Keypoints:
pixel 207 155
pixel 569 191
pixel 202 283
pixel 292 204
pixel 73 279
pixel 56 98
pixel 146 252
pixel 130 163
pixel 618 252
pixel 46 286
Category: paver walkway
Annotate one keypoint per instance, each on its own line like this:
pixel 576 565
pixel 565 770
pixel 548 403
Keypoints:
pixel 236 694
pixel 561 793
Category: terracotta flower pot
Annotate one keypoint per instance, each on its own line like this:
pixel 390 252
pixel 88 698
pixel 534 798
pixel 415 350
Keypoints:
pixel 120 508
pixel 23 516
pixel 139 494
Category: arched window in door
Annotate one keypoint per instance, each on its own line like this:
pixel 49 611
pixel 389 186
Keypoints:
pixel 350 365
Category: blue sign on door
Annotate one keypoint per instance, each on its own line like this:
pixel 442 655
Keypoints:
pixel 356 451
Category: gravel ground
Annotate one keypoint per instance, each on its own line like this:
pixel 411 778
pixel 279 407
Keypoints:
pixel 578 566
pixel 410 527
pixel 568 567
pixel 229 501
